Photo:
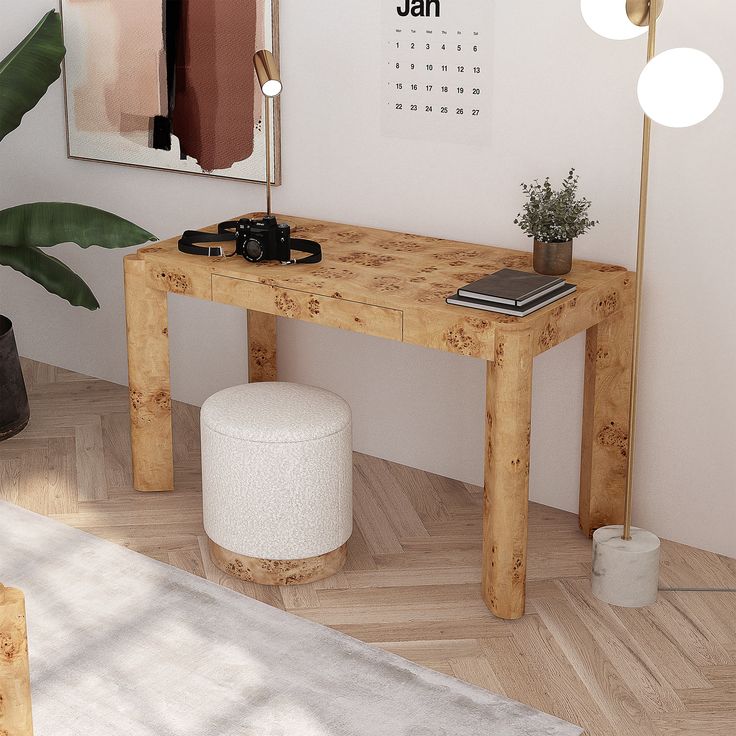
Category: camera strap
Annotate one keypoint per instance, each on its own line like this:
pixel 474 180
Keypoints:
pixel 189 239
pixel 305 246
pixel 226 232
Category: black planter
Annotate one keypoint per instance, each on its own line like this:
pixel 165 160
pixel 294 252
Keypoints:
pixel 14 410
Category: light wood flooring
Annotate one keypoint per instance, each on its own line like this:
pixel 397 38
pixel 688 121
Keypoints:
pixel 411 583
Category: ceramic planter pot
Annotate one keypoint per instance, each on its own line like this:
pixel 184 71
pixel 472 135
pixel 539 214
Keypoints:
pixel 552 259
pixel 14 409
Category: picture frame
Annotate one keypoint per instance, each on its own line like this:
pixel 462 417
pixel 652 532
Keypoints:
pixel 186 82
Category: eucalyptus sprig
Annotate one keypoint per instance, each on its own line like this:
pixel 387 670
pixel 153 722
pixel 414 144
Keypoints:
pixel 554 215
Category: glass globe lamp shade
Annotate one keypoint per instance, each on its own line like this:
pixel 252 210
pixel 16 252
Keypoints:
pixel 272 88
pixel 608 18
pixel 680 87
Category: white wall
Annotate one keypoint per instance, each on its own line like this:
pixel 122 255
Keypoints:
pixel 562 96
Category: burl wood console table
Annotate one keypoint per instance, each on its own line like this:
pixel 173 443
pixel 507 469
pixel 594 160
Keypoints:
pixel 394 285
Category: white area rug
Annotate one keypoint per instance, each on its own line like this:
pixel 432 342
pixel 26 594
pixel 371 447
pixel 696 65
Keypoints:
pixel 122 644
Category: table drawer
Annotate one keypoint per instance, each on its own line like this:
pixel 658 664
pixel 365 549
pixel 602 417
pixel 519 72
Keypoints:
pixel 324 310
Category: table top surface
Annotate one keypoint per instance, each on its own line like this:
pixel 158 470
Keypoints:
pixel 410 273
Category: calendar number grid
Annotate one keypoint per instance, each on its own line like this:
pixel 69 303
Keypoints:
pixel 436 78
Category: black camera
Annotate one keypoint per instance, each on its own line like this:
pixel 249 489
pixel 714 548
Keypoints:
pixel 256 240
pixel 263 240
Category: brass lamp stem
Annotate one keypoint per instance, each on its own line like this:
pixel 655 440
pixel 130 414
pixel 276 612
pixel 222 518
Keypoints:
pixel 641 242
pixel 268 155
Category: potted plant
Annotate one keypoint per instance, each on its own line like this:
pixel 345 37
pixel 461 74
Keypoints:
pixel 554 218
pixel 28 229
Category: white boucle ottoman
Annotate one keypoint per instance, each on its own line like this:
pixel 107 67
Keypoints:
pixel 277 481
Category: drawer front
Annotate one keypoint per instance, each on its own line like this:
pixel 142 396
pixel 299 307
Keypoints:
pixel 324 310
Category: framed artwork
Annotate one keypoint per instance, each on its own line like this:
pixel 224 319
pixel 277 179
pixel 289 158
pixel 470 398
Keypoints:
pixel 170 84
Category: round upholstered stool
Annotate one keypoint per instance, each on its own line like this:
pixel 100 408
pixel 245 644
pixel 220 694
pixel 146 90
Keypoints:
pixel 277 481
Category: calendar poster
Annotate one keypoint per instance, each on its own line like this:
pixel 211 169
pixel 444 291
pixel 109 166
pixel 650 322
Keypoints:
pixel 437 61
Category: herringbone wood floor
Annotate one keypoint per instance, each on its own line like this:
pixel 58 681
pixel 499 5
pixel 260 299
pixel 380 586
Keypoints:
pixel 411 583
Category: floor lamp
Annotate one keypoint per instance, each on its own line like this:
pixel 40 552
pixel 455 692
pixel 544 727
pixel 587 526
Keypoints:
pixel 677 88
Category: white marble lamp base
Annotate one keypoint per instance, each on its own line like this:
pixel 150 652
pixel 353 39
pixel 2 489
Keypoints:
pixel 625 572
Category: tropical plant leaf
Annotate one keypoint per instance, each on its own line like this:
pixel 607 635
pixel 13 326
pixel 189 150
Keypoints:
pixel 44 224
pixel 51 273
pixel 28 70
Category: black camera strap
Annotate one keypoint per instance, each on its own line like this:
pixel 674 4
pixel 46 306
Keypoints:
pixel 227 232
pixel 190 238
pixel 305 246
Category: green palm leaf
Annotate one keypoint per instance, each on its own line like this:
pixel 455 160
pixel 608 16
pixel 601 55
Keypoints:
pixel 28 70
pixel 51 273
pixel 48 223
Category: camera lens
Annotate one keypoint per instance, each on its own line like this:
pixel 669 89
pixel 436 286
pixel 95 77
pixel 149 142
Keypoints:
pixel 253 250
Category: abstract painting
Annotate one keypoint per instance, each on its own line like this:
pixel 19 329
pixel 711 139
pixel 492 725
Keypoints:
pixel 170 84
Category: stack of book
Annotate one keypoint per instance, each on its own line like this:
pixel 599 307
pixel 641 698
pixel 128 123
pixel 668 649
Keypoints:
pixel 512 292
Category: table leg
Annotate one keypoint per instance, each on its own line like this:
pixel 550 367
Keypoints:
pixel 506 487
pixel 261 347
pixel 606 421
pixel 15 681
pixel 148 379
